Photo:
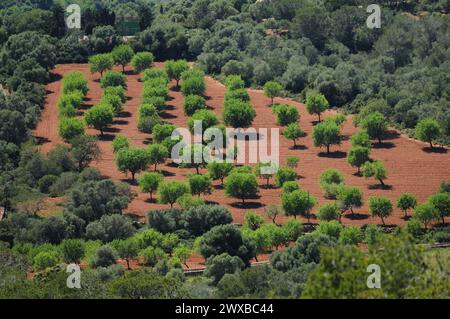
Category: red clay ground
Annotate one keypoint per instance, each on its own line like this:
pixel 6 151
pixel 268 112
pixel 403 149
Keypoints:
pixel 411 168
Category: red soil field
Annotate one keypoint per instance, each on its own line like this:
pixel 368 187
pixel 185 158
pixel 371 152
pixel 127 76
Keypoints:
pixel 411 167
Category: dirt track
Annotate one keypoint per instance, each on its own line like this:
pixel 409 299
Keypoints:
pixel 411 168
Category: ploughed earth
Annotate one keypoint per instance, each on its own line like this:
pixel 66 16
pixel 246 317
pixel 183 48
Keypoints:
pixel 412 166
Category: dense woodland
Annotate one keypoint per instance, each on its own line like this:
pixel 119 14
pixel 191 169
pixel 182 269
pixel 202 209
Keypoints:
pixel 311 48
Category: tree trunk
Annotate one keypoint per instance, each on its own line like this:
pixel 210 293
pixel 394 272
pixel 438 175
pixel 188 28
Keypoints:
pixel 295 142
pixel 256 258
pixel 268 182
pixel 171 205
pixel 431 144
pixel 123 68
pixel 319 116
pixel 379 140
pixel 128 263
pixel 178 82
pixel 243 201
pixel 328 149
pixel 382 220
pixel 197 169
pixel 101 132
pixel 185 263
pixel 443 219
pixel 381 181
pixel 156 164
pixel 132 175
pixel 273 220
pixel 351 210
pixel 151 195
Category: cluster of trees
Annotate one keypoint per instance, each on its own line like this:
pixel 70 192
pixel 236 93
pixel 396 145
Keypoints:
pixel 74 89
pixel 154 97
pixel 237 110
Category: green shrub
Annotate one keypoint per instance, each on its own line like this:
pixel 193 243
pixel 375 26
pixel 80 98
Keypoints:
pixel 113 78
pixel 193 103
pixel 70 127
pixel 142 61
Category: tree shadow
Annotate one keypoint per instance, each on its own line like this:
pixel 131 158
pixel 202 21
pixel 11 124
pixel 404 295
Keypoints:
pixel 106 137
pixel 129 72
pixel 175 88
pixel 166 173
pixel 150 201
pixel 356 216
pixel 406 218
pixel 383 145
pixel 249 136
pixel 247 205
pixel 391 135
pixel 130 181
pixel 112 130
pixel 336 154
pixel 125 114
pixel 55 77
pixel 381 187
pixel 148 141
pixel 85 106
pixel 437 150
pixel 120 122
pixel 41 140
pixel 172 164
pixel 218 187
pixel 298 147
pixel 211 202
pixel 166 115
pixel 357 174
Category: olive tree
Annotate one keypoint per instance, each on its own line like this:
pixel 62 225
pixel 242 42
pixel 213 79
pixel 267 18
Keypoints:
pixel 327 134
pixel 286 114
pixel 100 63
pixel 316 103
pixel 357 156
pixel 442 203
pixel 293 132
pixel 132 160
pixel 149 182
pixel 406 202
pixel 219 170
pixel 238 114
pixel 376 125
pixel 122 55
pixel 199 184
pixel 298 203
pixel 70 128
pixel 350 198
pixel 142 61
pixel 99 116
pixel 375 169
pixel 272 89
pixel 157 154
pixel 380 207
pixel 127 249
pixel 428 130
pixel 241 185
pixel 426 213
pixel 175 69
pixel 73 250
pixel 170 191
